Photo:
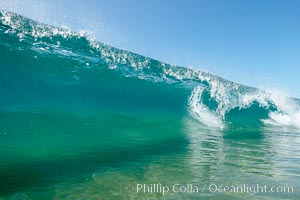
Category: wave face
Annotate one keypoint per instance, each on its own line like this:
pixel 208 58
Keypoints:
pixel 44 67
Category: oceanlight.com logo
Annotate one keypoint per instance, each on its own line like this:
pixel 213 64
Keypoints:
pixel 207 188
pixel 250 189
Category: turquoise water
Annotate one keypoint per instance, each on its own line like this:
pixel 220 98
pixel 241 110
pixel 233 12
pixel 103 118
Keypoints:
pixel 82 120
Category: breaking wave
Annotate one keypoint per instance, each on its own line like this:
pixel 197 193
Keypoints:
pixel 42 57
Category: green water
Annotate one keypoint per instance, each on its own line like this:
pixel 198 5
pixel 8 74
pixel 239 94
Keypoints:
pixel 82 120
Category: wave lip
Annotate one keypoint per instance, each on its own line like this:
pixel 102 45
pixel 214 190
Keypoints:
pixel 201 112
pixel 224 104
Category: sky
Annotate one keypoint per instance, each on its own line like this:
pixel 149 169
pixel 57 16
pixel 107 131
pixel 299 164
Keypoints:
pixel 255 42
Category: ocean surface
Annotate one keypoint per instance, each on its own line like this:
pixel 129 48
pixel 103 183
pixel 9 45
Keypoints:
pixel 83 120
